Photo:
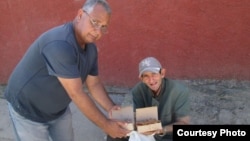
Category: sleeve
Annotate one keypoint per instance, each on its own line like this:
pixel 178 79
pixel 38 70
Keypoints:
pixel 93 59
pixel 139 98
pixel 61 59
pixel 94 69
pixel 182 106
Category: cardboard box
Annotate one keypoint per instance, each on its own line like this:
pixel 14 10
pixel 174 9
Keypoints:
pixel 125 114
pixel 147 119
pixel 143 120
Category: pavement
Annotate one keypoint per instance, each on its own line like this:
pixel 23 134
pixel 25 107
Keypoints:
pixel 212 102
pixel 84 129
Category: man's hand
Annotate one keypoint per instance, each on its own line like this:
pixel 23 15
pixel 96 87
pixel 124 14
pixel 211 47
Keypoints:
pixel 116 129
pixel 115 107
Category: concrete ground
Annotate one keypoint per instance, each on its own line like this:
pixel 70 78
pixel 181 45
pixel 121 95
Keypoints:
pixel 84 129
pixel 212 102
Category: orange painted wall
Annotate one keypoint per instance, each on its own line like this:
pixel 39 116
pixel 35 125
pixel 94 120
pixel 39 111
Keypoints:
pixel 194 39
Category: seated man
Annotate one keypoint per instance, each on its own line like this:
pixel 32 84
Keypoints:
pixel 171 98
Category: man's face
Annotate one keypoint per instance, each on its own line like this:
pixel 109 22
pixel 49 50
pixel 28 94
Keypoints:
pixel 91 26
pixel 152 80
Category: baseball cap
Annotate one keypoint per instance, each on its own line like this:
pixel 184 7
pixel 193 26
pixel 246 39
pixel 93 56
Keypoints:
pixel 150 64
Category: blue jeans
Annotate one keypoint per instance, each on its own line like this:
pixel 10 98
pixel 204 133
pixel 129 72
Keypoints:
pixel 56 130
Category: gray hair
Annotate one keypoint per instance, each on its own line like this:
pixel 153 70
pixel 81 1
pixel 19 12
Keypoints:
pixel 90 4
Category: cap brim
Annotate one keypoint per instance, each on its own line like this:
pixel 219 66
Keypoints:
pixel 154 70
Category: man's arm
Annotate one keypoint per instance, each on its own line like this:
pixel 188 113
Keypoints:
pixel 181 121
pixel 89 109
pixel 99 93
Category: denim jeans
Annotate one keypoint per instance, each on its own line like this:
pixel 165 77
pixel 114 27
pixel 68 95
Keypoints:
pixel 56 130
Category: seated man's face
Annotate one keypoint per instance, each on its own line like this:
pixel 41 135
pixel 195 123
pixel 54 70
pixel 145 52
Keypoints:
pixel 152 80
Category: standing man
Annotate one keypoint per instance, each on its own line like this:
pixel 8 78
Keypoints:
pixel 171 98
pixel 51 74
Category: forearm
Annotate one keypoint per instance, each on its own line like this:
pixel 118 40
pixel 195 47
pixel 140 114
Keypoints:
pixel 83 101
pixel 168 129
pixel 90 110
pixel 99 93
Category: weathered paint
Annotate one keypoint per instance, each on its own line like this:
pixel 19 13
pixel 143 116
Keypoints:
pixel 194 39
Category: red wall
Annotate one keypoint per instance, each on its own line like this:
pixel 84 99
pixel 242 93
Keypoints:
pixel 194 39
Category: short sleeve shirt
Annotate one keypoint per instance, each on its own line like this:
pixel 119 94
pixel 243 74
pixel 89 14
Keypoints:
pixel 173 100
pixel 33 88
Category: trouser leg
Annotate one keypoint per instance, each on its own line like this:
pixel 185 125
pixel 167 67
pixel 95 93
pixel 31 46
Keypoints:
pixel 27 130
pixel 61 129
